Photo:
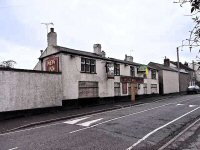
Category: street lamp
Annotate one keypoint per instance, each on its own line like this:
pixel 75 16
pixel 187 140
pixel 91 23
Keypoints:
pixel 178 66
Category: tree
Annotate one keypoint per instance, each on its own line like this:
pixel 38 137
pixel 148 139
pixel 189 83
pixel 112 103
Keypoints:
pixel 195 4
pixel 194 37
pixel 7 64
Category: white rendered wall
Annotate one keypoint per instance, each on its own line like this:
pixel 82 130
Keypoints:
pixel 170 82
pixel 28 90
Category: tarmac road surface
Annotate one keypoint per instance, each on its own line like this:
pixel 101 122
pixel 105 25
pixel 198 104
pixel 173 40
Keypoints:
pixel 146 127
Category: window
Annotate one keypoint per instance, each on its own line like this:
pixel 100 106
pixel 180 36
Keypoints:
pixel 92 66
pixel 82 64
pixel 138 86
pixel 153 74
pixel 88 65
pixel 88 89
pixel 117 69
pixel 153 88
pixel 145 88
pixel 117 88
pixel 132 71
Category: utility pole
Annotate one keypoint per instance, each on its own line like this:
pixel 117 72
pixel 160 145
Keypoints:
pixel 194 75
pixel 178 66
pixel 193 64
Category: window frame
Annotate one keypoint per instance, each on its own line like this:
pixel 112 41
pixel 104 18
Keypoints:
pixel 153 74
pixel 132 71
pixel 116 69
pixel 88 65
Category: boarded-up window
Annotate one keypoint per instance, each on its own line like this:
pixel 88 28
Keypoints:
pixel 153 88
pixel 117 88
pixel 88 89
pixel 145 88
pixel 124 88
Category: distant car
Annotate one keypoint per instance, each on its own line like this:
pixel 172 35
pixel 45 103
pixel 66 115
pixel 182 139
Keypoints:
pixel 193 89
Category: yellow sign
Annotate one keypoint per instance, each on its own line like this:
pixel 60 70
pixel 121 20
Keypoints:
pixel 147 71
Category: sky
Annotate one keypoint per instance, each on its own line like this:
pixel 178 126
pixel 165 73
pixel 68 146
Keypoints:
pixel 147 30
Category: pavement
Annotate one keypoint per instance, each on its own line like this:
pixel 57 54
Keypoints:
pixel 34 120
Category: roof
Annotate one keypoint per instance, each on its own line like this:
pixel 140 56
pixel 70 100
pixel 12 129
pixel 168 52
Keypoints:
pixel 182 66
pixel 93 55
pixel 162 67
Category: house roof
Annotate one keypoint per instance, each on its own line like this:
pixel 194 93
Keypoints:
pixel 182 66
pixel 93 55
pixel 162 67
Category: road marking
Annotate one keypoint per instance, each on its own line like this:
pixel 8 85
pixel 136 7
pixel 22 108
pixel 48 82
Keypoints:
pixel 152 132
pixel 180 104
pixel 88 123
pixel 119 118
pixel 53 124
pixel 74 121
pixel 13 148
pixel 177 136
pixel 192 105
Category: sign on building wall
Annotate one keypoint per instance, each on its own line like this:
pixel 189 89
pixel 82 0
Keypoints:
pixel 110 70
pixel 142 68
pixel 52 64
pixel 139 80
pixel 126 79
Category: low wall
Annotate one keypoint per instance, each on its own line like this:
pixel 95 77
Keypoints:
pixel 28 89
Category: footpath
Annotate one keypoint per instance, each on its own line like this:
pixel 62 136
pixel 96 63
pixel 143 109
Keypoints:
pixel 48 117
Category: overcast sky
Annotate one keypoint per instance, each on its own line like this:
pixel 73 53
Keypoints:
pixel 149 30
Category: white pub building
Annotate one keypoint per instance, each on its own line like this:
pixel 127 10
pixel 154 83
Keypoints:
pixel 92 75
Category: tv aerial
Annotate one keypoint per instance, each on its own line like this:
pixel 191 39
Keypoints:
pixel 47 24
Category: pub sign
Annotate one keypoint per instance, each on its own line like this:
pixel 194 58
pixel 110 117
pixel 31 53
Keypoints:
pixel 110 70
pixel 52 64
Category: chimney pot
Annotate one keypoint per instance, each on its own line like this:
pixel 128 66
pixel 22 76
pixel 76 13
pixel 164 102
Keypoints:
pixel 41 51
pixel 52 29
pixel 166 62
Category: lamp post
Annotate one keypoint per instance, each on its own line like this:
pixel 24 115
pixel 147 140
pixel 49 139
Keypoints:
pixel 178 65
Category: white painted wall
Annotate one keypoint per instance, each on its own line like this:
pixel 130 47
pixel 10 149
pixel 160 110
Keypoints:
pixel 71 75
pixel 170 82
pixel 27 90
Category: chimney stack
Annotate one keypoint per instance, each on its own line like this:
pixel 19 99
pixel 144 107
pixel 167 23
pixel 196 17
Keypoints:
pixel 97 49
pixel 128 58
pixel 52 38
pixel 166 62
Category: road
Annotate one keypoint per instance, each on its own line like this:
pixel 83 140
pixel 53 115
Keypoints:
pixel 141 127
